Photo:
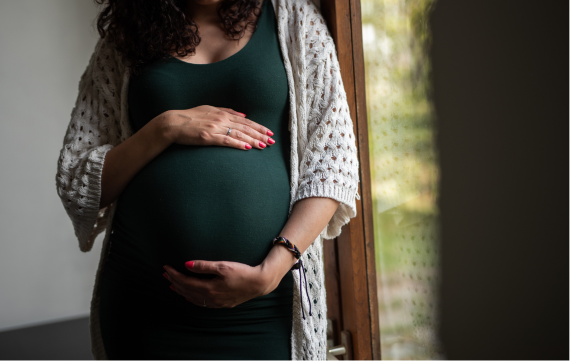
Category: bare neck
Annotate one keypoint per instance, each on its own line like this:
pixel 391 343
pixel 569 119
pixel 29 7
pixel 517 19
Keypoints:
pixel 202 13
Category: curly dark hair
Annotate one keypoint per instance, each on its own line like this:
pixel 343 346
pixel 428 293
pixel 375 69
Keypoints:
pixel 144 31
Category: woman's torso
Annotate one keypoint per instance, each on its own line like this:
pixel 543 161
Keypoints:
pixel 211 202
pixel 206 202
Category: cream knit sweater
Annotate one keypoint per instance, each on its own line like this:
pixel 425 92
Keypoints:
pixel 324 160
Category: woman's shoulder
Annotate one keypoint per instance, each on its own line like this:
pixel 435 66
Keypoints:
pixel 306 18
pixel 105 72
pixel 300 4
pixel 107 60
pixel 299 10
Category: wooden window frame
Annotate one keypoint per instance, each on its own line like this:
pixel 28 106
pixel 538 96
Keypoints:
pixel 350 272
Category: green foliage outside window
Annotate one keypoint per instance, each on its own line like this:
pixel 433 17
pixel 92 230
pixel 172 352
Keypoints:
pixel 404 171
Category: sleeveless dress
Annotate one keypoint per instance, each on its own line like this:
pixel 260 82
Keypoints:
pixel 202 203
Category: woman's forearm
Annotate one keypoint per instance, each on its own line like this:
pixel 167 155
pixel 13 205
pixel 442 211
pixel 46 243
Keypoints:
pixel 307 220
pixel 127 159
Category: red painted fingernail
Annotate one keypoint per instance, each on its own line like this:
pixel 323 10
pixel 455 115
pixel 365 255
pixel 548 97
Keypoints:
pixel 189 264
pixel 248 146
pixel 165 276
pixel 172 288
pixel 165 267
pixel 241 114
pixel 271 141
pixel 263 145
pixel 270 133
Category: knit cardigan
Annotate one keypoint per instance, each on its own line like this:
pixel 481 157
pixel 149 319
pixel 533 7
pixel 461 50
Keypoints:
pixel 324 160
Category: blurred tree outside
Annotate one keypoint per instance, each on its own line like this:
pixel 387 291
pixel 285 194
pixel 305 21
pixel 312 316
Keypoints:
pixel 404 171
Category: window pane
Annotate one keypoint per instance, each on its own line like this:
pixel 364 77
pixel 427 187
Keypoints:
pixel 405 175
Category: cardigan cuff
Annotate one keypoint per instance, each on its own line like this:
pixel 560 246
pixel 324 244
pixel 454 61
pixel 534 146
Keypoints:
pixel 347 208
pixel 91 220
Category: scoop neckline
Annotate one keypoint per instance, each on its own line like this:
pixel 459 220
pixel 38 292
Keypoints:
pixel 254 36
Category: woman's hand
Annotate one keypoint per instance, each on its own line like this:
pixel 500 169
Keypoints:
pixel 235 283
pixel 208 125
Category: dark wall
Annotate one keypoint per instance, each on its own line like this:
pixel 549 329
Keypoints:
pixel 500 76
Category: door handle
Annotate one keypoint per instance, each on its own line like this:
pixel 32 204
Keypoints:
pixel 345 349
pixel 338 351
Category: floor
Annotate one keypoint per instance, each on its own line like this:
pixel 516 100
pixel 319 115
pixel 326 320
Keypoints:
pixel 66 340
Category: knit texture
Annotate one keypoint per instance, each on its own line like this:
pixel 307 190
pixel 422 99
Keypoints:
pixel 324 160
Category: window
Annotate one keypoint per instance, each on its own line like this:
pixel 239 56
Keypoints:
pixel 404 175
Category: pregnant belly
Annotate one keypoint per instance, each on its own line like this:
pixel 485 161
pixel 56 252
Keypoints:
pixel 204 203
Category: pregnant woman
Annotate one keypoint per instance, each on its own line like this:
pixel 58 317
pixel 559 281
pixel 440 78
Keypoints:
pixel 211 140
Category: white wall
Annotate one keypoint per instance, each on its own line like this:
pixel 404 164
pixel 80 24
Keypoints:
pixel 45 46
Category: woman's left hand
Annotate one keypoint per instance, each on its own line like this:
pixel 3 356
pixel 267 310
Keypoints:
pixel 235 283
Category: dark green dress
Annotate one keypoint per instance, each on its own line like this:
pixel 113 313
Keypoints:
pixel 202 203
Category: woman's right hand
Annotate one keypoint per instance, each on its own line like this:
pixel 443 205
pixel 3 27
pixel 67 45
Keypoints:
pixel 208 125
pixel 203 125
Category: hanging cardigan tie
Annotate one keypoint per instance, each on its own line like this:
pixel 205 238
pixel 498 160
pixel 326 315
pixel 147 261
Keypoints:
pixel 298 265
